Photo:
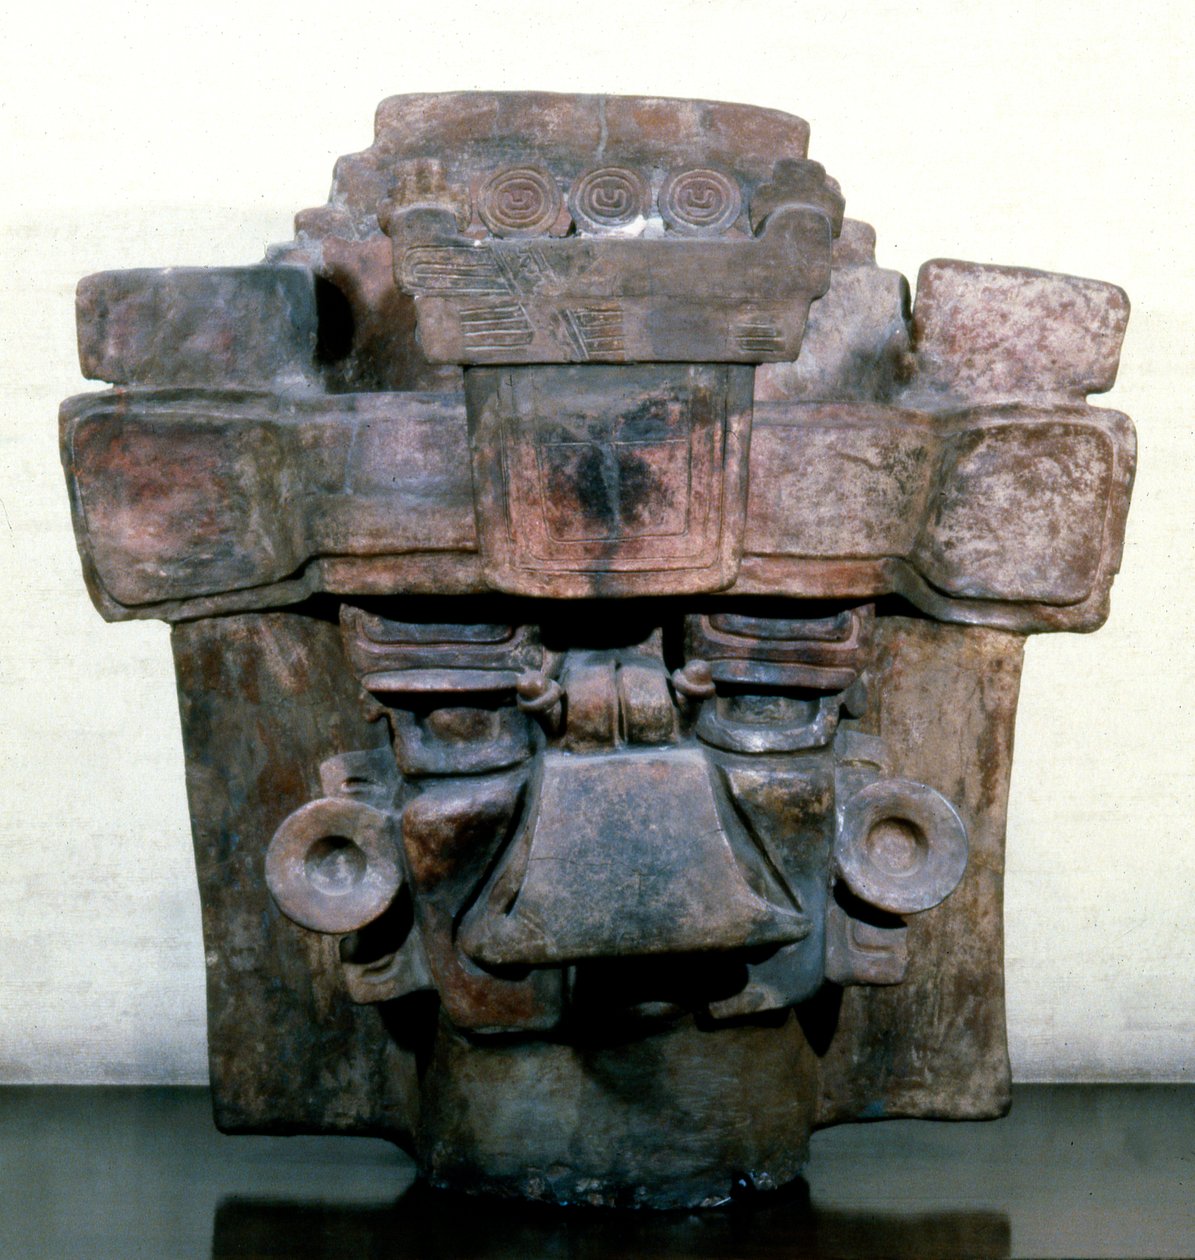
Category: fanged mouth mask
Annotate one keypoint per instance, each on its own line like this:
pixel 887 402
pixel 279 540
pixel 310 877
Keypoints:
pixel 545 808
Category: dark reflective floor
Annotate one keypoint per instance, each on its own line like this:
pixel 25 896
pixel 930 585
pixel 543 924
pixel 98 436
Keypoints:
pixel 87 1174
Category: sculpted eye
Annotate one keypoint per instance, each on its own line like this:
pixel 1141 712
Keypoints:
pixel 773 683
pixel 427 655
pixel 448 689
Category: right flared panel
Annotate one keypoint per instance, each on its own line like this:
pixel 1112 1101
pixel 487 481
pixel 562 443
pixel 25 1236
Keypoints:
pixel 944 699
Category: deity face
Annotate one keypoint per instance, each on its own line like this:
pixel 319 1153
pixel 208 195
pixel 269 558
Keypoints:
pixel 602 422
pixel 592 815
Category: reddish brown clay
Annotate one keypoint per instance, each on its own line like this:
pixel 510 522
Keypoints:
pixel 598 611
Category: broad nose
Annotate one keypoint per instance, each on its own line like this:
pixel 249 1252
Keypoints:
pixel 628 853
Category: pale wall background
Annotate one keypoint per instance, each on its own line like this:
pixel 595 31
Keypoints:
pixel 1052 135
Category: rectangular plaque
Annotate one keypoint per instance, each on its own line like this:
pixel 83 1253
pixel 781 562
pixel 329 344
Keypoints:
pixel 610 481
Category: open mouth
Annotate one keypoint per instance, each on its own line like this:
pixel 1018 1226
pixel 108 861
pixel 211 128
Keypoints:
pixel 609 998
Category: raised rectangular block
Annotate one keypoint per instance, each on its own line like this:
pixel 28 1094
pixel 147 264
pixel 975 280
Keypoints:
pixel 992 333
pixel 549 300
pixel 610 481
pixel 177 499
pixel 992 515
pixel 209 326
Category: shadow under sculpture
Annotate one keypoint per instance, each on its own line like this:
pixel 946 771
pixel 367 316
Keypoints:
pixel 598 609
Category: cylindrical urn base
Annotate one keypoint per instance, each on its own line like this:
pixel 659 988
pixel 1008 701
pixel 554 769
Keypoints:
pixel 683 1118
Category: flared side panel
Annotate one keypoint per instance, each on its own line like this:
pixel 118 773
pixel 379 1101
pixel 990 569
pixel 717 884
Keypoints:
pixel 936 1045
pixel 264 698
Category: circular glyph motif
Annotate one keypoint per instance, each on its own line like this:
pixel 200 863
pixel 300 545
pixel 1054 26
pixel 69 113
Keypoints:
pixel 332 865
pixel 700 202
pixel 519 201
pixel 609 197
pixel 903 846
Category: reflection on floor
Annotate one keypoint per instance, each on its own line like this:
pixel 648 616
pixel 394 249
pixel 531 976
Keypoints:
pixel 425 1224
pixel 1074 1171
